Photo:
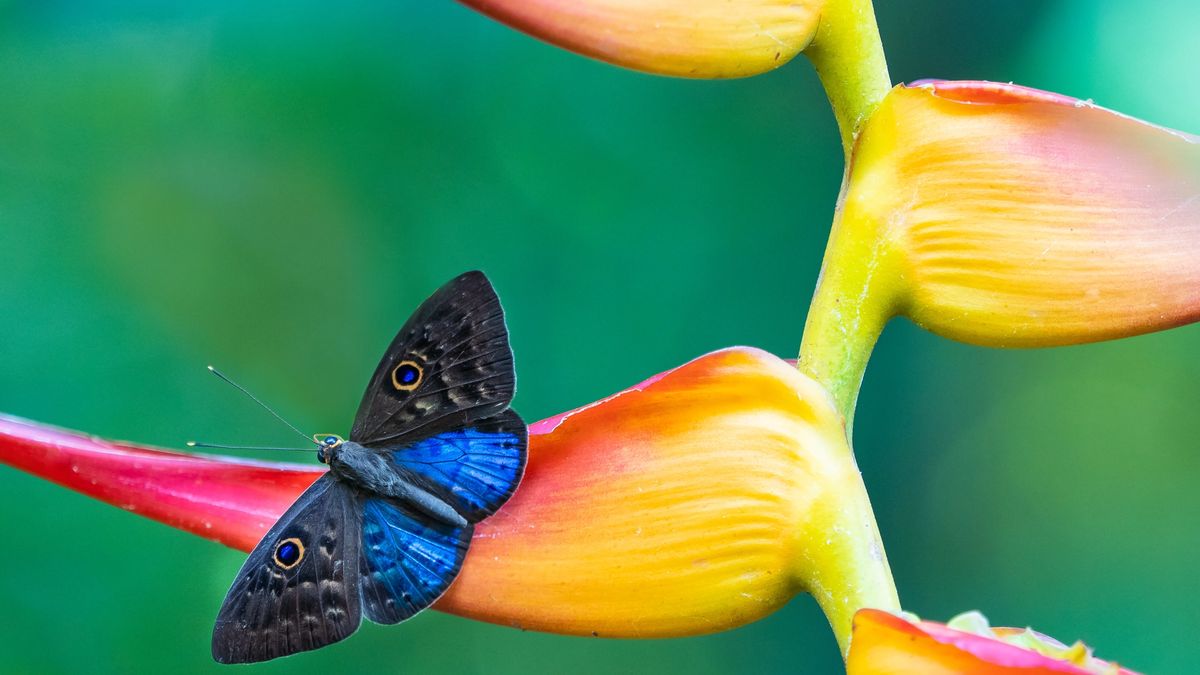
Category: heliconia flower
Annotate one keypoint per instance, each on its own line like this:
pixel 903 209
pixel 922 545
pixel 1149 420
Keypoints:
pixel 696 38
pixel 1010 217
pixel 886 644
pixel 699 500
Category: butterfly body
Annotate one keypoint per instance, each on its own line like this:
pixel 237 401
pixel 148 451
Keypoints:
pixel 434 449
pixel 372 471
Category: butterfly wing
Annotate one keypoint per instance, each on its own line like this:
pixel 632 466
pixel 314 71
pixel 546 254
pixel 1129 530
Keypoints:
pixel 437 405
pixel 407 561
pixel 298 590
pixel 450 364
pixel 474 469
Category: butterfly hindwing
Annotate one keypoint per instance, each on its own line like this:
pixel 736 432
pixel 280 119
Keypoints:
pixel 475 469
pixel 450 364
pixel 407 562
pixel 298 590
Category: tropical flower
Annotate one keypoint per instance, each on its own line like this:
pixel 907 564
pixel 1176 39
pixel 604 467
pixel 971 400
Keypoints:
pixel 887 644
pixel 699 500
pixel 707 496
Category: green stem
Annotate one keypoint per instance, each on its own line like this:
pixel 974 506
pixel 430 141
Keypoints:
pixel 853 300
pixel 861 576
pixel 838 340
pixel 845 318
pixel 848 56
pixel 858 291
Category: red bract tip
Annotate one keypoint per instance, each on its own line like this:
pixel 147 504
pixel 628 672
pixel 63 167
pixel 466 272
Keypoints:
pixel 228 500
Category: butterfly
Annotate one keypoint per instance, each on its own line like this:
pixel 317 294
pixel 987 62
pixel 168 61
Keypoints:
pixel 434 449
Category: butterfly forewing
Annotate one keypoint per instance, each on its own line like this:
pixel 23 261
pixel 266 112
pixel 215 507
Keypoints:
pixel 474 469
pixel 299 589
pixel 449 365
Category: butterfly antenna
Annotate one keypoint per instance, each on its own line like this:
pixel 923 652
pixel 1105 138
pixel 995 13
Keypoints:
pixel 266 407
pixel 196 444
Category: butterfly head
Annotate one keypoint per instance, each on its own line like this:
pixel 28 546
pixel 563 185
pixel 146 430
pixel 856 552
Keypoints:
pixel 326 444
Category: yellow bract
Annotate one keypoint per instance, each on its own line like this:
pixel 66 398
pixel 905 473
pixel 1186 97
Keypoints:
pixel 1006 217
pixel 1033 220
pixel 694 503
pixel 696 38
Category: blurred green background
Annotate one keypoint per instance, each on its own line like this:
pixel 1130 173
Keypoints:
pixel 272 187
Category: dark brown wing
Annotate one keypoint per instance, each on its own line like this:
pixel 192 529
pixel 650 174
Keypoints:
pixel 278 607
pixel 450 365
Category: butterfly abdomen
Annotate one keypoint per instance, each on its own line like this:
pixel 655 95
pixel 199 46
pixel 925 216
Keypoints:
pixel 372 472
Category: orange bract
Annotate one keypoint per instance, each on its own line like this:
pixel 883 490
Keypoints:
pixel 1013 217
pixel 700 38
pixel 693 503
pixel 885 644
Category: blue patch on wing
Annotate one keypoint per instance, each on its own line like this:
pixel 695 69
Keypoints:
pixel 477 467
pixel 407 561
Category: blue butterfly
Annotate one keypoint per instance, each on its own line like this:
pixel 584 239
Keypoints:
pixel 434 449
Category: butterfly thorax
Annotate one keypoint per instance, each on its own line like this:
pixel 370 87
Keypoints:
pixel 375 472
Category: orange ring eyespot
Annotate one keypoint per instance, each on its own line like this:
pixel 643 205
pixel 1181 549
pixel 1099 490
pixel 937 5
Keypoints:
pixel 289 553
pixel 407 375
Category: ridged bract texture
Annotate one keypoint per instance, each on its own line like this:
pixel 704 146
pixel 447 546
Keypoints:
pixel 677 507
pixel 1022 218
